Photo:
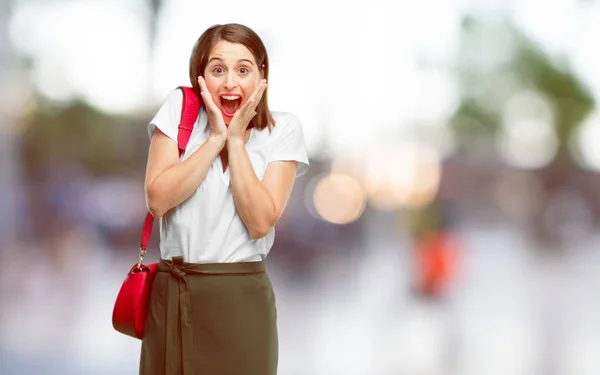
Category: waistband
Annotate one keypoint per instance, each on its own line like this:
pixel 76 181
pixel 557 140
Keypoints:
pixel 177 265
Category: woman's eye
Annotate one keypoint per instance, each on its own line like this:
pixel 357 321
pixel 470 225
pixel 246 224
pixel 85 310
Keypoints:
pixel 243 70
pixel 218 70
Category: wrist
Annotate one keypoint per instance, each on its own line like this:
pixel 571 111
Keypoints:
pixel 217 140
pixel 235 141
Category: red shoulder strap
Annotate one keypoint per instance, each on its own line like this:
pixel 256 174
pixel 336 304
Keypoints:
pixel 190 107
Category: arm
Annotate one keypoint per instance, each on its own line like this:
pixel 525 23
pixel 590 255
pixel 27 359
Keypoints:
pixel 259 205
pixel 169 182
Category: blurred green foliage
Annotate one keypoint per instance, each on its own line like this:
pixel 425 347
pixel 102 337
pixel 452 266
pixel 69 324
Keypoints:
pixel 80 134
pixel 494 62
pixel 521 60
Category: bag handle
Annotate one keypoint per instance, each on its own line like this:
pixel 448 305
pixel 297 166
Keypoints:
pixel 190 108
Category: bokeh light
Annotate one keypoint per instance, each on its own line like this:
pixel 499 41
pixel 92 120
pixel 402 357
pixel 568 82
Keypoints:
pixel 585 144
pixel 407 175
pixel 528 139
pixel 339 199
pixel 434 133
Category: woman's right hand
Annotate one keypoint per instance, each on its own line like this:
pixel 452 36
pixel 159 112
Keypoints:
pixel 218 129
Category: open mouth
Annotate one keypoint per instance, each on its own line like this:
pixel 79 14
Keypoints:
pixel 230 104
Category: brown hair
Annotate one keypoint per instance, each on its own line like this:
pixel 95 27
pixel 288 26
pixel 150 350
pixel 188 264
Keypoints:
pixel 233 33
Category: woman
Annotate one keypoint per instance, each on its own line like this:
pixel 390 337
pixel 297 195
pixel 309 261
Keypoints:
pixel 212 308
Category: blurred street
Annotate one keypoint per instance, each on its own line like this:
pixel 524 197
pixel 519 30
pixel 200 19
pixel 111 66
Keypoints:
pixel 448 224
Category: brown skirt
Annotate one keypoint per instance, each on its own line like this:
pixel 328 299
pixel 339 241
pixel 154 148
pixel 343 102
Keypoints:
pixel 210 319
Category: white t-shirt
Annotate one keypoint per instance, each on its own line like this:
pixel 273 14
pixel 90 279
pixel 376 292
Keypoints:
pixel 206 228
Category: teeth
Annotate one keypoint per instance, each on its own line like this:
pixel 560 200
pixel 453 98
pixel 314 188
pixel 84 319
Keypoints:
pixel 230 97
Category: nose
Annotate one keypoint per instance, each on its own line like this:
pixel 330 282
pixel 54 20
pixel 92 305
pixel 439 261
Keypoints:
pixel 230 81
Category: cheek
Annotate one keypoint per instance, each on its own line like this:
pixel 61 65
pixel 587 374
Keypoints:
pixel 249 88
pixel 212 83
pixel 212 87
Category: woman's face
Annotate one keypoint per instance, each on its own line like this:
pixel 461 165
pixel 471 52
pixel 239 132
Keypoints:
pixel 231 76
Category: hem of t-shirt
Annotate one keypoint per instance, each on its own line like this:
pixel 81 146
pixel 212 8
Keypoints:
pixel 302 167
pixel 151 127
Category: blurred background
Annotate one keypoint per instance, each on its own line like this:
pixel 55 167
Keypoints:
pixel 448 224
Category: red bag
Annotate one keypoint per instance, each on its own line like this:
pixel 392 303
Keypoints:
pixel 131 306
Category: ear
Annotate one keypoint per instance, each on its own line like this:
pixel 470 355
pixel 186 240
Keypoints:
pixel 262 71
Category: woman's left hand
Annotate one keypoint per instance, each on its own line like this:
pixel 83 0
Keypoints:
pixel 238 125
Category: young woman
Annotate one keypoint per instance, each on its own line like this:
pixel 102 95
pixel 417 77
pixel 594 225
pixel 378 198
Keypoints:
pixel 212 308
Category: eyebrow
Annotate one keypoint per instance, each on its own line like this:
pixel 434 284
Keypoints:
pixel 239 60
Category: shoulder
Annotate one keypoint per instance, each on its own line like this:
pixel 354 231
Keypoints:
pixel 284 117
pixel 287 141
pixel 174 98
pixel 285 122
pixel 168 115
pixel 171 104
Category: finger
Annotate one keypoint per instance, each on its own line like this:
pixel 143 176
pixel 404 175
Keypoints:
pixel 258 94
pixel 207 99
pixel 206 95
pixel 203 89
pixel 209 104
pixel 254 99
pixel 202 83
pixel 259 91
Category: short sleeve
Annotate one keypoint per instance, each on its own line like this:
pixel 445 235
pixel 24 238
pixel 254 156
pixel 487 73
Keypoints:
pixel 290 144
pixel 168 116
